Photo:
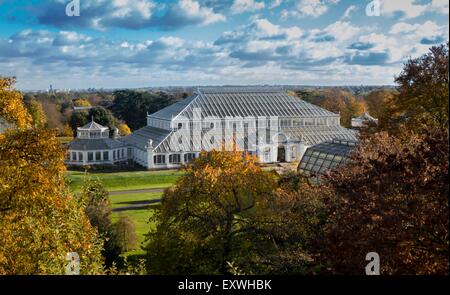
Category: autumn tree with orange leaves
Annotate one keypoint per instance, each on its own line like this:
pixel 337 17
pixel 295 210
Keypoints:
pixel 40 221
pixel 391 198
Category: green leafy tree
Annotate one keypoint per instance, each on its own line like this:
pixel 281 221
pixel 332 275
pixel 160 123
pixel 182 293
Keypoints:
pixel 103 117
pixel 124 234
pixel 99 211
pixel 132 106
pixel 78 119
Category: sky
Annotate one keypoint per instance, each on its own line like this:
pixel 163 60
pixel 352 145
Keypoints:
pixel 145 43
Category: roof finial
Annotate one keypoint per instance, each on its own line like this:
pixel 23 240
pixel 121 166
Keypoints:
pixel 92 118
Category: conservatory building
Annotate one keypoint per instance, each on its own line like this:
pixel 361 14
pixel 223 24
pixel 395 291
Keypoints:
pixel 264 121
pixel 93 146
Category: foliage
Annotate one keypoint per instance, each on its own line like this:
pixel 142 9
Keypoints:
pixel 133 106
pixel 78 119
pixel 98 209
pixel 81 103
pixel 37 113
pixel 128 268
pixel 391 198
pixel 97 205
pixel 103 117
pixel 337 101
pixel 55 118
pixel 124 130
pixel 124 234
pixel 380 104
pixel 285 229
pixel 40 221
pixel 12 109
pixel 203 220
pixel 423 89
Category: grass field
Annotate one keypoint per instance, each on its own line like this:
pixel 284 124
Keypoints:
pixel 140 216
pixel 116 181
pixel 135 180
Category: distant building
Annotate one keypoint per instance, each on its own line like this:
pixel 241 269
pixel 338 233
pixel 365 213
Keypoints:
pixel 364 121
pixel 213 117
pixel 84 108
pixel 298 125
pixel 325 156
pixel 93 146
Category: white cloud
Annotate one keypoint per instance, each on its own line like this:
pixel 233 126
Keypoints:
pixel 313 8
pixel 417 31
pixel 409 8
pixel 128 8
pixel 275 4
pixel 342 30
pixel 193 11
pixel 439 6
pixel 241 6
pixel 129 14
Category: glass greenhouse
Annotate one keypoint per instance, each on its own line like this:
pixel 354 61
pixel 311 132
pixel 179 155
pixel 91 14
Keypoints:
pixel 325 156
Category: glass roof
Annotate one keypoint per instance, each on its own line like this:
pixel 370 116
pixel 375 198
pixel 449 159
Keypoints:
pixel 242 102
pixel 325 156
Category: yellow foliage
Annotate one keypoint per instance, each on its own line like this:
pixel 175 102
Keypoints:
pixel 40 221
pixel 124 129
pixel 11 104
pixel 81 102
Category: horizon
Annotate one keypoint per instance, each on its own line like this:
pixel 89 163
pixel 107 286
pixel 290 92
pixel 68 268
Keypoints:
pixel 204 86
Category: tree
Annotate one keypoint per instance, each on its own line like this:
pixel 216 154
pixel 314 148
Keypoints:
pixel 133 106
pixel 37 113
pixel 284 230
pixel 81 102
pixel 55 119
pixel 337 101
pixel 98 209
pixel 40 220
pixel 78 119
pixel 202 224
pixel 97 205
pixel 391 198
pixel 379 105
pixel 124 129
pixel 124 234
pixel 423 89
pixel 12 109
pixel 103 117
pixel 98 114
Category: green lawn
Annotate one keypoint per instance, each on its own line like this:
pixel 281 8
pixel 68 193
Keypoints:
pixel 140 216
pixel 116 181
pixel 124 200
pixel 135 180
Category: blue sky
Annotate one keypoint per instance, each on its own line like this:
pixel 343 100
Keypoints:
pixel 138 43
